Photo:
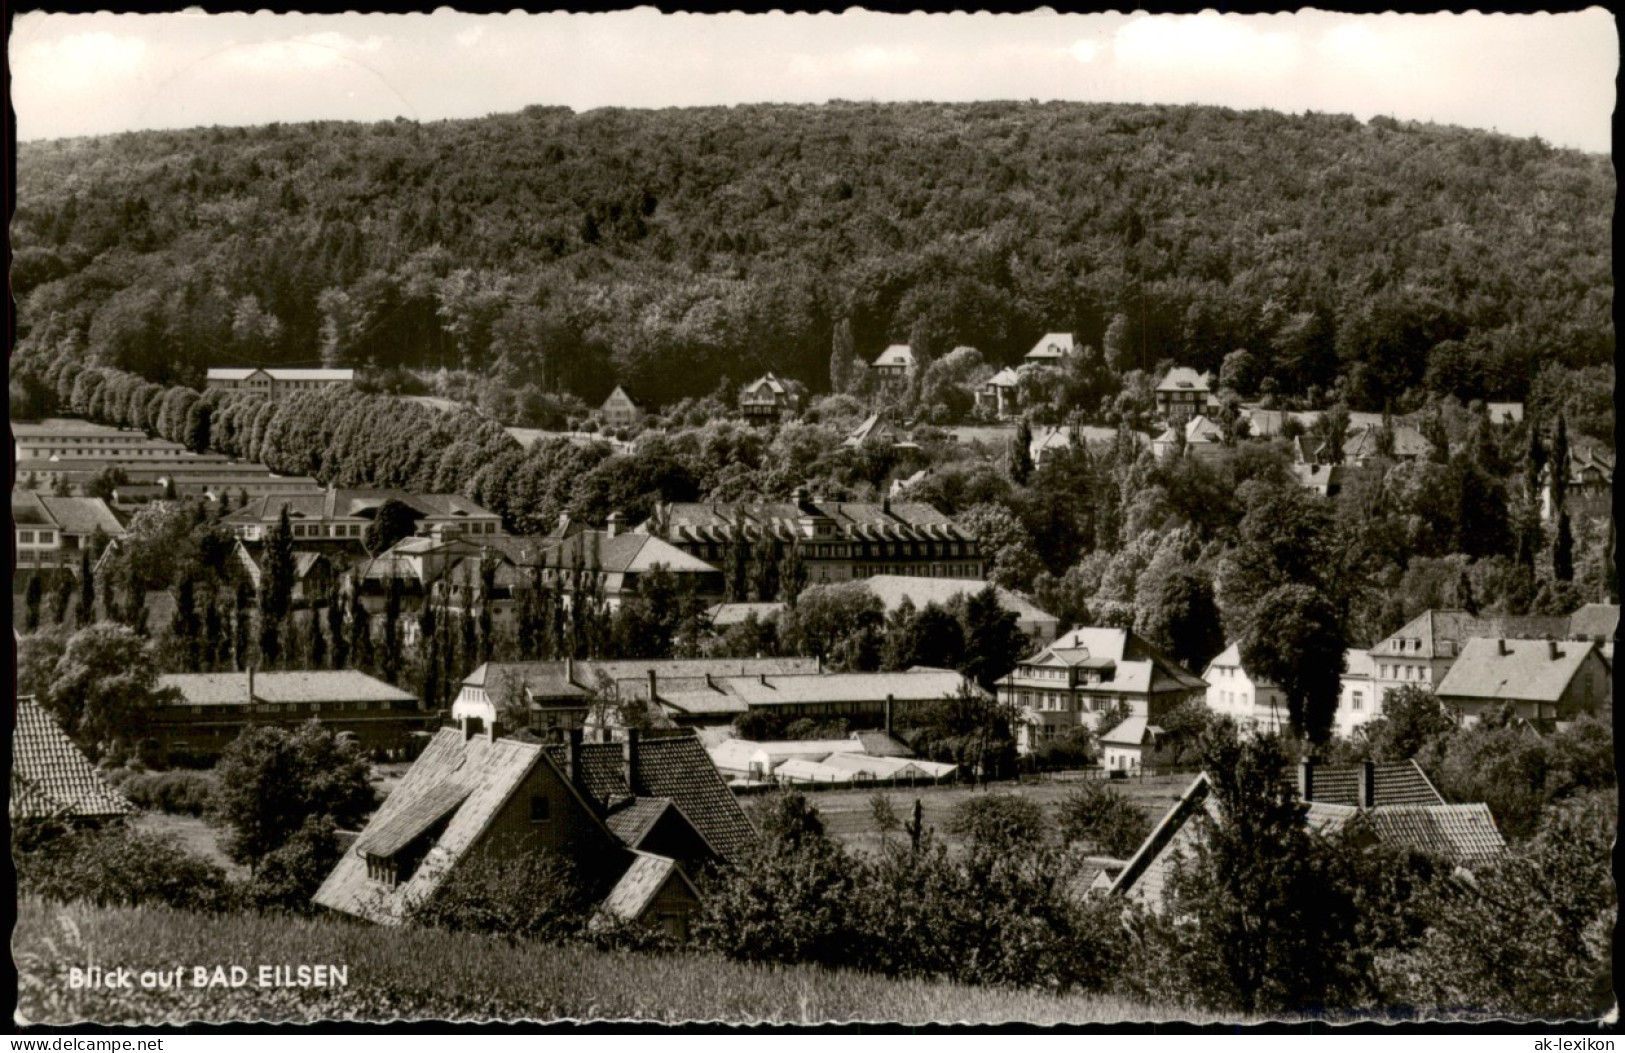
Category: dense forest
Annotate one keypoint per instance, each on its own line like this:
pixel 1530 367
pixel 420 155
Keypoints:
pixel 672 250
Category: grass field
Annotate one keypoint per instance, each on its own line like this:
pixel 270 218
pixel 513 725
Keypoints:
pixel 195 835
pixel 848 818
pixel 424 975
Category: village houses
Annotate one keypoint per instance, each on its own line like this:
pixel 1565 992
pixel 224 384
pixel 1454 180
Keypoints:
pixel 1545 682
pixel 895 365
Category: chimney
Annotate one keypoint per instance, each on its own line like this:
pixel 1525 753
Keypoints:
pixel 890 700
pixel 471 727
pixel 1368 785
pixel 612 527
pixel 569 670
pixel 251 684
pixel 709 685
pixel 572 757
pixel 1501 647
pixel 629 760
pixel 818 663
pixel 1306 779
pixel 652 691
pixel 885 505
pixel 1551 650
pixel 564 524
pixel 761 678
pixel 493 730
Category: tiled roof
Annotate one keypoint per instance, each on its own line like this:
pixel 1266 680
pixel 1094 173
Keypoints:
pixel 896 355
pixel 403 826
pixel 1441 633
pixel 676 767
pixel 27 511
pixel 1004 378
pixel 1595 621
pixel 640 884
pixel 1139 668
pixel 1462 833
pixel 880 744
pixel 336 685
pixel 82 515
pixel 629 553
pixel 632 819
pixel 1392 784
pixel 914 685
pixel 860 520
pixel 892 588
pixel 1053 345
pixel 1183 378
pixel 334 375
pixel 50 777
pixel 1528 671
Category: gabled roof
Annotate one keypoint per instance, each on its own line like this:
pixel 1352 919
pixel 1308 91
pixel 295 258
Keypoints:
pixel 486 773
pixel 1595 621
pixel 767 384
pixel 50 777
pixel 82 515
pixel 1184 378
pixel 624 392
pixel 407 824
pixel 320 685
pixel 880 744
pixel 1198 430
pixel 1528 671
pixel 676 767
pixel 629 553
pixel 1442 633
pixel 914 685
pixel 1138 667
pixel 896 355
pixel 1004 378
pixel 332 375
pixel 1051 346
pixel 726 614
pixel 1131 732
pixel 894 588
pixel 1392 784
pixel 1364 441
pixel 643 880
pixel 1462 833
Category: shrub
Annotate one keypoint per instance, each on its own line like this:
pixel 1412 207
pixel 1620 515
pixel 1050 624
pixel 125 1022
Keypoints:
pixel 529 895
pixel 118 866
pixel 172 792
pixel 998 822
pixel 1102 820
pixel 287 878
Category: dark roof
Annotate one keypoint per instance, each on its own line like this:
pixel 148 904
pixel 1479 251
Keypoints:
pixel 1392 784
pixel 631 820
pixel 51 778
pixel 406 825
pixel 1462 833
pixel 880 744
pixel 675 767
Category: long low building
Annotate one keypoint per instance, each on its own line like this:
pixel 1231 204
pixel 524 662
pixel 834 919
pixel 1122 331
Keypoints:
pixel 828 761
pixel 893 589
pixel 212 709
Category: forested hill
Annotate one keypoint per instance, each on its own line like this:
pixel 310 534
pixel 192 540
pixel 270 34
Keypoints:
pixel 669 249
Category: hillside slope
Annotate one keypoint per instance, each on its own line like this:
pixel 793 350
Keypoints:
pixel 672 248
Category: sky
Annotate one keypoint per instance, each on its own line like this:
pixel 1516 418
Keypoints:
pixel 1524 75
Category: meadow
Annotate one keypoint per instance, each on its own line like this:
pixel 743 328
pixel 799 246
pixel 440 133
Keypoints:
pixel 407 974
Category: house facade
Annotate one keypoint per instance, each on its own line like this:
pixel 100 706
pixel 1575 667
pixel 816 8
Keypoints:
pixel 1421 652
pixel 836 540
pixel 1086 672
pixel 1051 349
pixel 210 710
pixel 275 382
pixel 768 400
pixel 334 515
pixel 1196 436
pixel 894 365
pixel 1257 705
pixel 1183 394
pixel 620 409
pixel 1590 491
pixel 997 397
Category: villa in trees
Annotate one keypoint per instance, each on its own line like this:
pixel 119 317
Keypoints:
pixel 275 382
pixel 1197 436
pixel 314 575
pixel 768 400
pixel 1182 394
pixel 877 429
pixel 638 820
pixel 1546 682
pixel 51 778
pixel 1051 350
pixel 1590 491
pixel 1423 650
pixel 1089 671
pixel 1370 804
pixel 209 710
pixel 997 397
pixel 53 532
pixel 338 516
pixel 621 410
pixel 835 541
pixel 894 365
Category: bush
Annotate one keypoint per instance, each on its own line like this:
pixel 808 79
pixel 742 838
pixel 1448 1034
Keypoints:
pixel 998 822
pixel 529 895
pixel 171 792
pixel 1102 820
pixel 287 878
pixel 118 866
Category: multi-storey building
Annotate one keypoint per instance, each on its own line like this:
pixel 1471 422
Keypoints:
pixel 275 382
pixel 64 438
pixel 1088 671
pixel 621 410
pixel 1182 394
pixel 1051 349
pixel 894 365
pixel 343 515
pixel 1424 650
pixel 52 532
pixel 836 540
pixel 768 400
pixel 1544 681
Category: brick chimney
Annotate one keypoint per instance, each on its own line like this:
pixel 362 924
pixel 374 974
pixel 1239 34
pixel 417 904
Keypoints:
pixel 251 684
pixel 1551 650
pixel 612 526
pixel 569 670
pixel 1367 775
pixel 572 756
pixel 890 702
pixel 1501 647
pixel 1306 779
pixel 629 760
pixel 652 687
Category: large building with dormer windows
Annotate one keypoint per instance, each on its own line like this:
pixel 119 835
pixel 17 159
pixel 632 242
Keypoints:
pixel 343 515
pixel 837 540
pixel 274 383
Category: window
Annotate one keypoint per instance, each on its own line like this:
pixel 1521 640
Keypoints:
pixel 25 537
pixel 540 808
pixel 1358 702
